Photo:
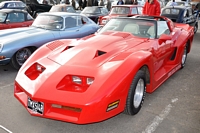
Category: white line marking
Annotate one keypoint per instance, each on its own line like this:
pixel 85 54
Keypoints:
pixel 5 129
pixel 158 119
pixel 7 85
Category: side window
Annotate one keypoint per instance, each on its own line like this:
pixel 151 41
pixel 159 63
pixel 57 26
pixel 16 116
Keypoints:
pixel 104 11
pixel 185 13
pixel 139 10
pixel 190 12
pixel 10 5
pixel 70 9
pixel 20 17
pixel 85 20
pixel 134 11
pixel 162 28
pixel 71 21
pixel 12 17
pixel 29 17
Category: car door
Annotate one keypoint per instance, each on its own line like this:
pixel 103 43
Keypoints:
pixel 15 20
pixel 163 51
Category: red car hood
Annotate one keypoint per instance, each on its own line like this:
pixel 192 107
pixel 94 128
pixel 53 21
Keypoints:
pixel 95 50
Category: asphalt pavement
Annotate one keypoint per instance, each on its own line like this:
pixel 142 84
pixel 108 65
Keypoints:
pixel 173 108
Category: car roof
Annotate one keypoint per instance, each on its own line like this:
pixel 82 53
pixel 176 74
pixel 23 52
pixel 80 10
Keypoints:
pixel 176 7
pixel 11 2
pixel 126 6
pixel 12 10
pixel 62 5
pixel 64 14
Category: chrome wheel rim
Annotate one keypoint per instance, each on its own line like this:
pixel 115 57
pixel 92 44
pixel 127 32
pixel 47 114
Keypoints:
pixel 139 92
pixel 195 28
pixel 22 55
pixel 184 56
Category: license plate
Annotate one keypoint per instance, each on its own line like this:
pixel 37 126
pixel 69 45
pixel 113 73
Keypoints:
pixel 35 106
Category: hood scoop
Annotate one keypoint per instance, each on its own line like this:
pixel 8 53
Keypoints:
pixel 54 45
pixel 99 53
pixel 68 47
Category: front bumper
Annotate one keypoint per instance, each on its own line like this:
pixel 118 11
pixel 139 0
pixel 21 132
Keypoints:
pixel 4 61
pixel 90 112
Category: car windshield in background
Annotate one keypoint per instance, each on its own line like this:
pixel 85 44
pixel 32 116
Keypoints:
pixel 171 11
pixel 48 22
pixel 2 17
pixel 137 27
pixel 92 10
pixel 120 10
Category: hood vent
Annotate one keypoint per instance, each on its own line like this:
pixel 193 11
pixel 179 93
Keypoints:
pixel 68 47
pixel 99 53
pixel 54 45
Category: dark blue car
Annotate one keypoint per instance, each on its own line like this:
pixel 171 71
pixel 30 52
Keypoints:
pixel 12 5
pixel 181 14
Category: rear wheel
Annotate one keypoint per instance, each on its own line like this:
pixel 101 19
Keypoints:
pixel 195 27
pixel 184 57
pixel 136 94
pixel 20 57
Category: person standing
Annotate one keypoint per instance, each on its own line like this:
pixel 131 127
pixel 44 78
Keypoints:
pixel 198 9
pixel 134 2
pixel 108 5
pixel 89 3
pixel 74 4
pixel 120 2
pixel 101 3
pixel 151 7
pixel 84 4
pixel 95 3
pixel 80 3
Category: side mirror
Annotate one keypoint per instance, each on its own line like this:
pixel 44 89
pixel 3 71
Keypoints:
pixel 7 21
pixel 164 38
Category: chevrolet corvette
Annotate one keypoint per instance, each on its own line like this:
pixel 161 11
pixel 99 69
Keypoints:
pixel 99 76
pixel 17 44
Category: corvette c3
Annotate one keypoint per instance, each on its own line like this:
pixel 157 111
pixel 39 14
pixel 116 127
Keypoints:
pixel 92 79
pixel 17 44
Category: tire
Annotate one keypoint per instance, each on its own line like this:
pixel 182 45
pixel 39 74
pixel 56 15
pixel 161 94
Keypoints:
pixel 20 57
pixel 184 57
pixel 195 27
pixel 136 94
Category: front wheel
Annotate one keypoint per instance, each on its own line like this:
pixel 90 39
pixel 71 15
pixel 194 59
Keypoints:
pixel 136 94
pixel 184 57
pixel 20 57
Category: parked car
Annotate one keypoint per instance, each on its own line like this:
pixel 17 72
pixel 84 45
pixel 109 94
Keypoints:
pixel 120 10
pixel 99 76
pixel 94 12
pixel 62 8
pixel 181 14
pixel 14 18
pixel 17 44
pixel 12 5
pixel 179 3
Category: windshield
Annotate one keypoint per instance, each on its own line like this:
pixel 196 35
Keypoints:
pixel 49 22
pixel 92 10
pixel 137 27
pixel 120 10
pixel 2 16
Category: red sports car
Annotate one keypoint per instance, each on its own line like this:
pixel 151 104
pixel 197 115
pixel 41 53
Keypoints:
pixel 120 10
pixel 14 18
pixel 99 76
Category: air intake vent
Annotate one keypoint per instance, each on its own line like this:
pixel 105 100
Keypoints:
pixel 54 45
pixel 68 47
pixel 99 53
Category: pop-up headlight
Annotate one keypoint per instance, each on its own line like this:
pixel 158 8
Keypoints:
pixel 76 79
pixel 75 83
